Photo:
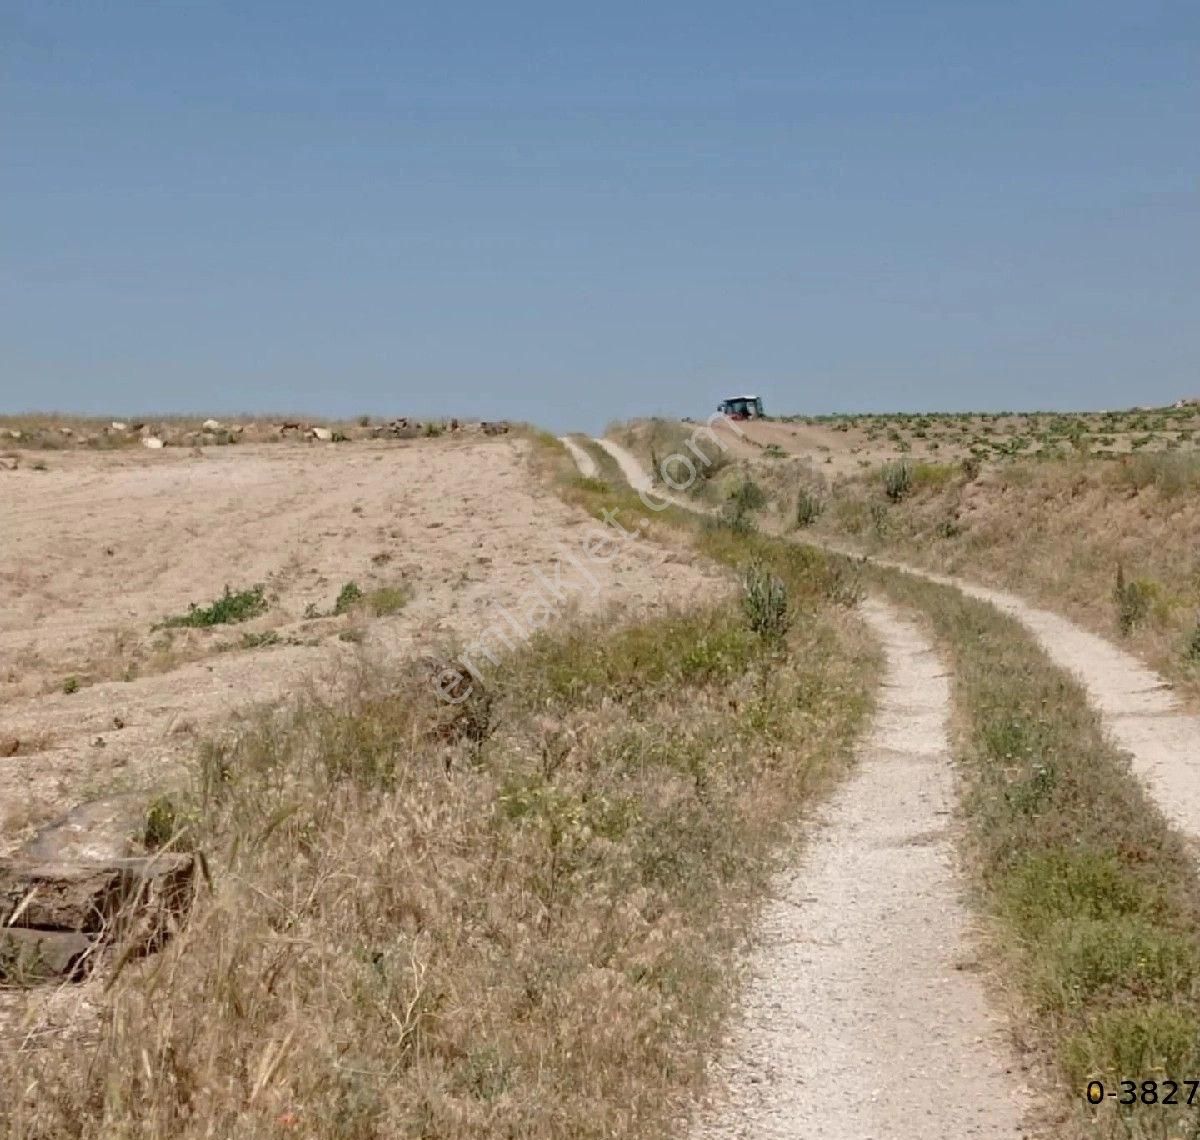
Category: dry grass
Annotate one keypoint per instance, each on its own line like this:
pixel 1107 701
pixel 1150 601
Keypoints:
pixel 1056 533
pixel 524 929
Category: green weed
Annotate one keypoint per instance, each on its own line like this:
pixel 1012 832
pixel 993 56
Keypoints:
pixel 228 609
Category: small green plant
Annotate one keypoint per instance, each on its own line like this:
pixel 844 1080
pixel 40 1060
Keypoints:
pixel 229 608
pixel 879 518
pixel 71 685
pixel 348 598
pixel 809 507
pixel 433 429
pixel 161 824
pixel 737 512
pixel 897 480
pixel 765 601
pixel 1133 599
pixel 1192 652
pixel 750 495
pixel 774 451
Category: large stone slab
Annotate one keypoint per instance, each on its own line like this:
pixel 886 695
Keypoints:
pixel 28 957
pixel 96 831
pixel 115 896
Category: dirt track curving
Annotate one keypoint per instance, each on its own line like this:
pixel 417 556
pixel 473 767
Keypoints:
pixel 1134 701
pixel 585 463
pixel 863 1017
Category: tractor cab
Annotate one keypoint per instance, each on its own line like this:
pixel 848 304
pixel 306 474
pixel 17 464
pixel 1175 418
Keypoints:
pixel 742 408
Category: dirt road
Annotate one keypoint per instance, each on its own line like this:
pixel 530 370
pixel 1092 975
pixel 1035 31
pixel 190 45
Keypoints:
pixel 585 463
pixel 1135 702
pixel 864 1018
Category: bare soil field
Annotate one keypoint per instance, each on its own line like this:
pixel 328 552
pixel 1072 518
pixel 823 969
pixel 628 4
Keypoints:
pixel 103 546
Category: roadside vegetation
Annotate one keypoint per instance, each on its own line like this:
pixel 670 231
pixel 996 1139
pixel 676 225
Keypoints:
pixel 1008 435
pixel 1115 545
pixel 517 915
pixel 1091 898
pixel 231 607
pixel 1094 900
pixel 1111 541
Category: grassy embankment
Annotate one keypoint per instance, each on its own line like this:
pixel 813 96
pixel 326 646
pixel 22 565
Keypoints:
pixel 515 916
pixel 1113 544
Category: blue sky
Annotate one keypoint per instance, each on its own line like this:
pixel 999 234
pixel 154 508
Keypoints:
pixel 571 213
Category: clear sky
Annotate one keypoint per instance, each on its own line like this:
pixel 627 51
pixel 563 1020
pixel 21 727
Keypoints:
pixel 573 212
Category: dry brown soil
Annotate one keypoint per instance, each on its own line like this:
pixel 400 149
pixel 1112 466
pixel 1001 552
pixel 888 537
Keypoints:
pixel 101 547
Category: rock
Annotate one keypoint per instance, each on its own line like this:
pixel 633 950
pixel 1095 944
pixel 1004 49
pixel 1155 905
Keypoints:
pixel 118 426
pixel 57 896
pixel 152 442
pixel 14 434
pixel 93 832
pixel 323 434
pixel 10 746
pixel 66 431
pixel 211 425
pixel 31 956
pixel 123 898
pixel 9 462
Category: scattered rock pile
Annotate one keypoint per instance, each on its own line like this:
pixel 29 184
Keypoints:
pixel 154 435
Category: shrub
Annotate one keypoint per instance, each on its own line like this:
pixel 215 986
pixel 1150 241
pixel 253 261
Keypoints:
pixel 897 480
pixel 764 598
pixel 348 598
pixel 751 495
pixel 1133 599
pixel 1193 646
pixel 737 513
pixel 227 609
pixel 71 685
pixel 388 600
pixel 809 507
